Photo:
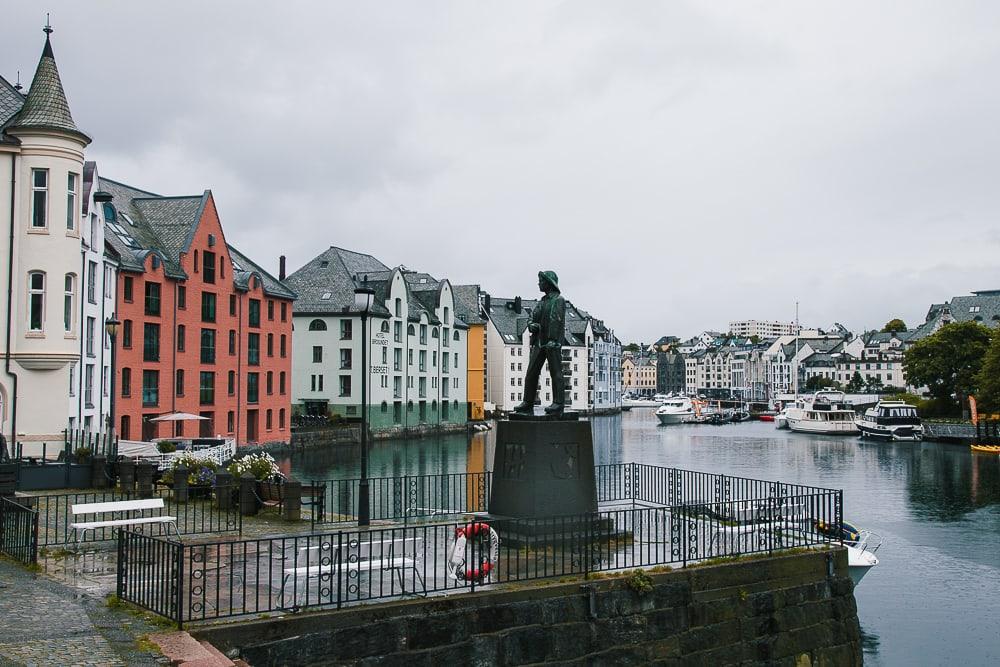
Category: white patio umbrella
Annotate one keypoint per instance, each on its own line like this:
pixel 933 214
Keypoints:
pixel 177 417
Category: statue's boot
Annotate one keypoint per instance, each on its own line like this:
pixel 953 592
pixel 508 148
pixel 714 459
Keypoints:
pixel 524 408
pixel 554 409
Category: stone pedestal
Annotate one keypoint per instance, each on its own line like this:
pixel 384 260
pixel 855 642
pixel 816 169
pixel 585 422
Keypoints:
pixel 543 467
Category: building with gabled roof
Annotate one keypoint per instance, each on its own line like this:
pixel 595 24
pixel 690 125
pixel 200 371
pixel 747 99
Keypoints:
pixel 204 329
pixel 416 343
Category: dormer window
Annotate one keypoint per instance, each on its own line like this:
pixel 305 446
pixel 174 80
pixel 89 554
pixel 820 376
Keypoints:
pixel 109 212
pixel 973 309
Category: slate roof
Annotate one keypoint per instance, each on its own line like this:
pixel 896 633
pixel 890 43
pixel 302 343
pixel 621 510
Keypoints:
pixel 11 101
pixel 334 274
pixel 510 324
pixel 45 106
pixel 467 303
pixel 246 267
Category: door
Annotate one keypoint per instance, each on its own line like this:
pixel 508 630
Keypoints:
pixel 252 425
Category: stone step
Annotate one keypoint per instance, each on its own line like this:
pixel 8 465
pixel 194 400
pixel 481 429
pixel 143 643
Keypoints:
pixel 183 650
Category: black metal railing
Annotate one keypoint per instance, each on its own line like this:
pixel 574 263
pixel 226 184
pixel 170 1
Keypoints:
pixel 18 531
pixel 204 581
pixel 988 432
pixel 195 516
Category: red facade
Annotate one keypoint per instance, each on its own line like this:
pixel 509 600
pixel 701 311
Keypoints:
pixel 210 345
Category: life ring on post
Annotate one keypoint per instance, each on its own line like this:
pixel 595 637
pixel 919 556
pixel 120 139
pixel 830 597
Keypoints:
pixel 486 547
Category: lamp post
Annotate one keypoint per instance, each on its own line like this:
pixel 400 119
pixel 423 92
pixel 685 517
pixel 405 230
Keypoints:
pixel 363 299
pixel 111 327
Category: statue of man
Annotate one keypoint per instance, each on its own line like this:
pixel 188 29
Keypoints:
pixel 547 327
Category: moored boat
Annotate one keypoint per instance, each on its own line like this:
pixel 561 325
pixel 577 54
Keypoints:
pixel 826 413
pixel 678 410
pixel 891 420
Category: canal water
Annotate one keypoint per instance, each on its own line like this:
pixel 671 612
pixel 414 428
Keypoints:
pixel 934 599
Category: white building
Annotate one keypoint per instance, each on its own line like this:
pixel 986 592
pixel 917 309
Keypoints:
pixel 90 378
pixel 763 329
pixel 42 156
pixel 417 346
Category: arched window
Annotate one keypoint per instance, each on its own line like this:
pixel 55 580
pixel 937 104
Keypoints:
pixel 434 333
pixel 446 314
pixel 281 418
pixel 385 326
pixel 455 336
pixel 399 308
pixel 411 331
pixel 68 297
pixel 409 406
pixel 317 325
pixel 36 301
pixel 434 406
pixel 385 407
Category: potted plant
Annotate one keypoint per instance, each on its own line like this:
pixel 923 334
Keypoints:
pixel 261 465
pixel 200 474
pixel 166 446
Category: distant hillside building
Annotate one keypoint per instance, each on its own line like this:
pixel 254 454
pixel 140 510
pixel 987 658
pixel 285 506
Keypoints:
pixel 763 329
pixel 982 306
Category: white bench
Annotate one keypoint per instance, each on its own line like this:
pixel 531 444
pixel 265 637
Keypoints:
pixel 395 555
pixel 128 513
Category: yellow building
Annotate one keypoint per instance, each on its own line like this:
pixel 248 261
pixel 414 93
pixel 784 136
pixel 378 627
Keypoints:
pixel 468 308
pixel 639 376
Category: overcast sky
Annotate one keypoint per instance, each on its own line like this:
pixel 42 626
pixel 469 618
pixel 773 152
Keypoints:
pixel 679 165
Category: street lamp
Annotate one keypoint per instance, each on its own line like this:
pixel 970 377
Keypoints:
pixel 363 299
pixel 111 327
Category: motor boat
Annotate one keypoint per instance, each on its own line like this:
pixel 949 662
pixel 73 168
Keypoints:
pixel 826 413
pixel 714 413
pixel 891 420
pixel 678 410
pixel 781 419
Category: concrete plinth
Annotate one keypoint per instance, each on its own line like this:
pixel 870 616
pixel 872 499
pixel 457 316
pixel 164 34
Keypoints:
pixel 542 468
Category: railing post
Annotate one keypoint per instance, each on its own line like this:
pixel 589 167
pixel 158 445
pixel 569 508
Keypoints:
pixel 144 475
pixel 292 506
pixel 180 585
pixel 340 568
pixel 126 476
pixel 181 490
pixel 122 565
pixel 224 490
pixel 98 472
pixel 248 496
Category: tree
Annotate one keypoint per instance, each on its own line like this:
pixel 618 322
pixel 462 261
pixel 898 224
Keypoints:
pixel 948 361
pixel 856 384
pixel 874 385
pixel 988 380
pixel 894 325
pixel 631 347
pixel 816 382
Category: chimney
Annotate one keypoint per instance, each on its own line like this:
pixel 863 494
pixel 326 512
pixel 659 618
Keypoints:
pixel 281 268
pixel 517 305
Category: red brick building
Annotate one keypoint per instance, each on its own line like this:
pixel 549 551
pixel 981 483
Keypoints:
pixel 204 330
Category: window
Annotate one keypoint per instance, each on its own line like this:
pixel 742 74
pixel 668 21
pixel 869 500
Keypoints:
pixel 36 301
pixel 397 359
pixel 281 382
pixel 206 387
pixel 317 354
pixel 346 329
pixel 208 301
pixel 208 346
pixel 231 383
pixel 232 342
pixel 385 354
pixel 270 345
pixel 127 334
pixel 150 342
pixel 253 349
pixel 92 282
pixel 196 260
pixel 91 325
pixel 397 334
pixel 208 267
pixel 267 420
pixel 181 331
pixel 317 325
pixel 397 387
pixel 181 297
pixel 126 382
pixel 152 298
pixel 385 326
pixel 423 360
pixel 127 288
pixel 254 312
pixel 284 314
pixel 411 330
pixel 444 338
pixel 232 304
pixel 345 359
pixel 399 308
pixel 68 310
pixel 230 421
pixel 281 417
pixel 345 385
pixel 253 387
pixel 39 198
pixel 422 387
pixel 71 184
pixel 423 334
pixel 150 388
pixel 282 346
pixel 269 383
pixel 125 431
pixel 434 333
pixel 409 357
pixel 270 310
pixel 446 313
pixel 179 382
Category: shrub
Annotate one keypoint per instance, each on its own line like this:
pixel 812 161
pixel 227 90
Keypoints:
pixel 166 446
pixel 261 465
pixel 201 472
pixel 82 453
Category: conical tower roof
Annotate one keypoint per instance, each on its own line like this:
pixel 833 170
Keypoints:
pixel 45 107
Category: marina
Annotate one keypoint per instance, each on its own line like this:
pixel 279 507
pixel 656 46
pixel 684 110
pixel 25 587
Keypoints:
pixel 936 507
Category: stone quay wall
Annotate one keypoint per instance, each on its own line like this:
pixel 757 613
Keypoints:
pixel 790 610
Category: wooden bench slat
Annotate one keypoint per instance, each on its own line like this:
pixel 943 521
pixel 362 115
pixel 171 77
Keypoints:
pixel 118 506
pixel 89 525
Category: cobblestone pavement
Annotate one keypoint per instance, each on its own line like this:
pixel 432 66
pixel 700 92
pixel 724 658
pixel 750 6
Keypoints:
pixel 47 623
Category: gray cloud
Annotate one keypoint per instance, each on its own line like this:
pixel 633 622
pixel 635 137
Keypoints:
pixel 679 164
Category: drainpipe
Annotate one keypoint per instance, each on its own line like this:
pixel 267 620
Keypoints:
pixel 239 363
pixel 83 318
pixel 10 298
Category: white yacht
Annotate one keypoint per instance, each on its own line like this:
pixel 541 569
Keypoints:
pixel 677 410
pixel 781 419
pixel 892 420
pixel 826 413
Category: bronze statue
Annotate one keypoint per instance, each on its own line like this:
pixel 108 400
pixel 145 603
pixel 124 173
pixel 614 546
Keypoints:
pixel 547 327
